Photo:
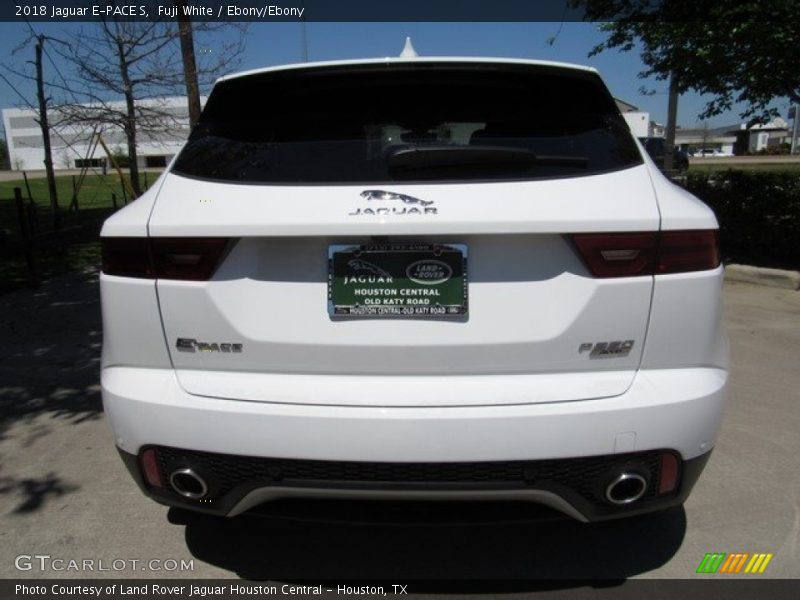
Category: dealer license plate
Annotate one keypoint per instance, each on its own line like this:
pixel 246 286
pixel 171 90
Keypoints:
pixel 397 280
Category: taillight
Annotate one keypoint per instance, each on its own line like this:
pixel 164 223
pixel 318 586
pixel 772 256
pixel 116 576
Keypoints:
pixel 617 254
pixel 191 259
pixel 188 259
pixel 647 253
pixel 681 251
pixel 127 257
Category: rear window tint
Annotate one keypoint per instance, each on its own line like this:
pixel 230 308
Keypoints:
pixel 408 122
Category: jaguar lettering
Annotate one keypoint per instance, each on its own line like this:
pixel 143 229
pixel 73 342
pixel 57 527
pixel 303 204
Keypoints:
pixel 425 206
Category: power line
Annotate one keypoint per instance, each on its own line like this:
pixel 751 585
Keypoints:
pixel 23 98
pixel 52 62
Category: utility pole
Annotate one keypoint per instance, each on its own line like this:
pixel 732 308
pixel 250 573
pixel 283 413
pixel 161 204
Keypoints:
pixel 45 127
pixel 189 64
pixel 672 120
pixel 795 114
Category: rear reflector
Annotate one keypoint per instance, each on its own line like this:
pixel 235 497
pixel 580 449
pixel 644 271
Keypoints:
pixel 668 480
pixel 152 473
pixel 647 253
pixel 188 259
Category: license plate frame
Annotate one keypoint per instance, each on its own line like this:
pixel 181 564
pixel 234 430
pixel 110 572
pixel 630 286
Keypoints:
pixel 398 281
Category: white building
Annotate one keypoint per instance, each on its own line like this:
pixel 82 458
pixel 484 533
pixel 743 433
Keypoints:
pixel 764 136
pixel 718 139
pixel 73 145
pixel 638 120
pixel 656 129
pixel 736 138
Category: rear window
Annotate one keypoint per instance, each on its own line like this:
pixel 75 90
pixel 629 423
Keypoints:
pixel 408 122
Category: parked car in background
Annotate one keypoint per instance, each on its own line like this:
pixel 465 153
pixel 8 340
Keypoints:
pixel 713 152
pixel 656 148
pixel 415 279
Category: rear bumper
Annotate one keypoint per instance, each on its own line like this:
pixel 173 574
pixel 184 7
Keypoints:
pixel 676 409
pixel 580 496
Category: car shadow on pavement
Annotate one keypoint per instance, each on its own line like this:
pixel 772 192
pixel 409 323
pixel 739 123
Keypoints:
pixel 50 340
pixel 504 546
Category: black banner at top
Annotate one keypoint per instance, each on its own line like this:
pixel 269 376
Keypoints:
pixel 297 10
pixel 655 11
pixel 370 10
pixel 290 10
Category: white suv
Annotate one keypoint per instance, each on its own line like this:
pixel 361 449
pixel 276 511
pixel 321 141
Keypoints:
pixel 414 278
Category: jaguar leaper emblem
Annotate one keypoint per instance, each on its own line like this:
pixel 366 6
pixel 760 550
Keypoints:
pixel 383 195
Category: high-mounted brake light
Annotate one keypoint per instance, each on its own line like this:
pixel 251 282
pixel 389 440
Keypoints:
pixel 188 259
pixel 647 253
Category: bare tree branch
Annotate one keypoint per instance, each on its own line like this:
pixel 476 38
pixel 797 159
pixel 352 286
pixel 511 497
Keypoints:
pixel 122 66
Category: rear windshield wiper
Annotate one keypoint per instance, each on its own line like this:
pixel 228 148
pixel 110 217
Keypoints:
pixel 426 157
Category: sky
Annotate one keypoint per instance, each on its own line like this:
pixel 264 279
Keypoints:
pixel 269 44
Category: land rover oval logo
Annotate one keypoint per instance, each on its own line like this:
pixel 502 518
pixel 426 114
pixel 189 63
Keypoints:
pixel 429 272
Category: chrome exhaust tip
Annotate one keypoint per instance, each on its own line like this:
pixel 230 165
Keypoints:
pixel 188 483
pixel 626 488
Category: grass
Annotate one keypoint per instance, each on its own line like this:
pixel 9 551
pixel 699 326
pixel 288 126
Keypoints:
pixel 773 167
pixel 95 192
pixel 77 248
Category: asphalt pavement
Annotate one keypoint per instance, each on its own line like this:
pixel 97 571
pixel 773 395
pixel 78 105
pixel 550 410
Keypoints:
pixel 64 492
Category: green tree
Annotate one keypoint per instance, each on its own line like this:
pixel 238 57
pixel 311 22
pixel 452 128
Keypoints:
pixel 737 51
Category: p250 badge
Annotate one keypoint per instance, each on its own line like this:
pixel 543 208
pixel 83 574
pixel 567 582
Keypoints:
pixel 615 349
